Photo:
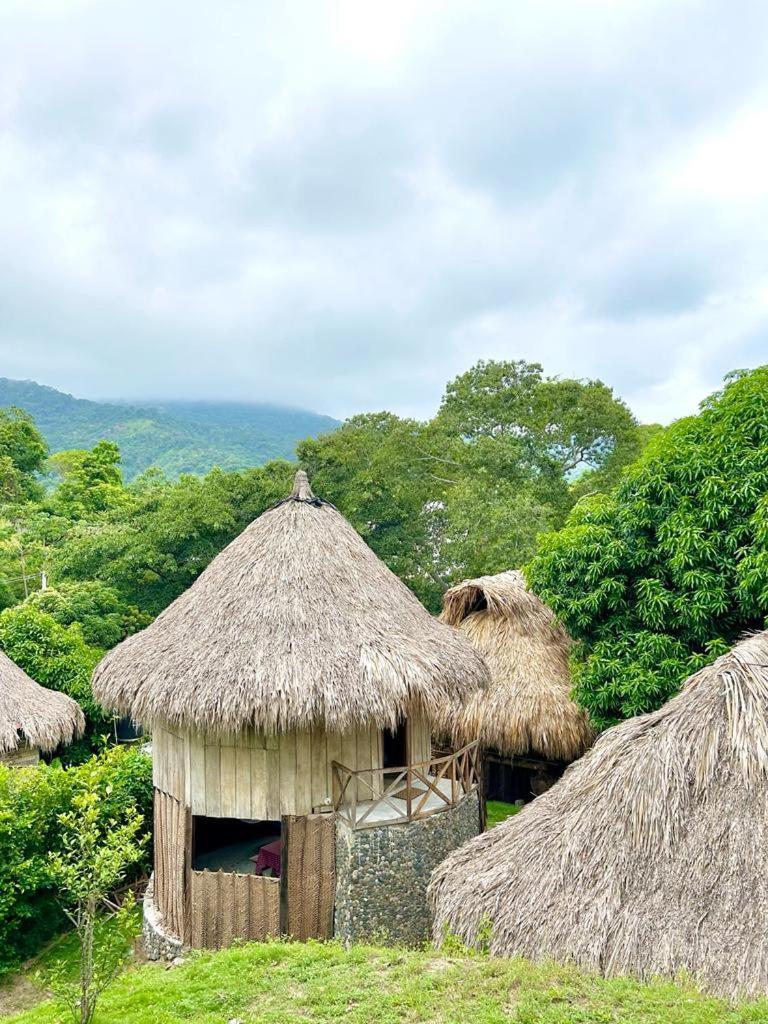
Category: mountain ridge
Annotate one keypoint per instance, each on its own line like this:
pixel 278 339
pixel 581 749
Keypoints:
pixel 177 436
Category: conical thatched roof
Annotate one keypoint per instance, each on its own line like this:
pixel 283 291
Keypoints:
pixel 295 623
pixel 31 713
pixel 651 853
pixel 528 708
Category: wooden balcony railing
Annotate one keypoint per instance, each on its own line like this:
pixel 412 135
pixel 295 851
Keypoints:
pixel 370 797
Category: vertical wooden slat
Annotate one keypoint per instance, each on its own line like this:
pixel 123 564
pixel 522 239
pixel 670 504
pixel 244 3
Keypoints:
pixel 228 782
pixel 197 774
pixel 212 780
pixel 259 787
pixel 333 753
pixel 303 784
pixel 287 772
pixel 321 779
pixel 271 784
pixel 158 758
pixel 243 783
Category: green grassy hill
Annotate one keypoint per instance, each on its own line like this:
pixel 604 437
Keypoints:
pixel 179 437
pixel 282 982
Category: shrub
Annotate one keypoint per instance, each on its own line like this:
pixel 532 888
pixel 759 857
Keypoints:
pixel 31 803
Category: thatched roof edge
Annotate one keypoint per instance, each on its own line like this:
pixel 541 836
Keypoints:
pixel 33 714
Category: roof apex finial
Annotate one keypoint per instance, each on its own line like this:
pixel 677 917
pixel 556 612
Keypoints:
pixel 301 489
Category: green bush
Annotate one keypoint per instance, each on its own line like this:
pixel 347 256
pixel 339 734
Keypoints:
pixel 31 802
pixel 104 619
pixel 667 572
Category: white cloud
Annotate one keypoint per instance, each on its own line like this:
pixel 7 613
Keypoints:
pixel 344 204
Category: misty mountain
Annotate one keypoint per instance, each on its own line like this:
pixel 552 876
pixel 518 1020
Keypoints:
pixel 177 436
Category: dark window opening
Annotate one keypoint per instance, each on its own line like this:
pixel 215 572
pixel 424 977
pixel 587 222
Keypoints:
pixel 127 731
pixel 395 746
pixel 236 844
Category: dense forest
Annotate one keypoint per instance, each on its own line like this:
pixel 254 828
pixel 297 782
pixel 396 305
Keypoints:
pixel 650 543
pixel 176 437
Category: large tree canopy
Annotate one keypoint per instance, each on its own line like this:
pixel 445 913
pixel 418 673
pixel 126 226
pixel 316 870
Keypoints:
pixel 467 492
pixel 22 454
pixel 672 567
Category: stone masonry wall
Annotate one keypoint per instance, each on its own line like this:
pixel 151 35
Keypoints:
pixel 382 873
pixel 158 943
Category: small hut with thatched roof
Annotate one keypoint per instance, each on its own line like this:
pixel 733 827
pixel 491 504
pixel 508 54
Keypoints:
pixel 290 693
pixel 650 855
pixel 33 718
pixel 527 723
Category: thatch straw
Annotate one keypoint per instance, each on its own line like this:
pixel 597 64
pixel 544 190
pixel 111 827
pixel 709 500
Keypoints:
pixel 528 708
pixel 31 714
pixel 650 855
pixel 295 623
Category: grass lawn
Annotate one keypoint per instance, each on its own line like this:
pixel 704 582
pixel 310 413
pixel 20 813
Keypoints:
pixel 497 811
pixel 281 982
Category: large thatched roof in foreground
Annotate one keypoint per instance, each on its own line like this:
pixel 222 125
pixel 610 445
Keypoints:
pixel 295 623
pixel 651 853
pixel 528 708
pixel 30 713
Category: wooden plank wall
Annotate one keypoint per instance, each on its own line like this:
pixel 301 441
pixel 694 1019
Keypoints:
pixel 169 762
pixel 224 906
pixel 421 739
pixel 310 876
pixel 253 776
pixel 21 757
pixel 171 836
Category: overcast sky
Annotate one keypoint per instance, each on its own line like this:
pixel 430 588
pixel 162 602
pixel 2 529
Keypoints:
pixel 340 205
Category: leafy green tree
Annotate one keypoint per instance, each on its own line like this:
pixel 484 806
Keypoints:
pixel 490 526
pixel 152 548
pixel 92 481
pixel 385 476
pixel 543 429
pixel 94 854
pixel 467 492
pixel 666 572
pixel 104 618
pixel 22 455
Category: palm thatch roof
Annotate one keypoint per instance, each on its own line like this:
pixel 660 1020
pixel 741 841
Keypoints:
pixel 296 623
pixel 528 707
pixel 650 854
pixel 29 713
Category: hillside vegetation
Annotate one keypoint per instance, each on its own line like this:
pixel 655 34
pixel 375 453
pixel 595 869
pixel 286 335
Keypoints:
pixel 279 982
pixel 176 437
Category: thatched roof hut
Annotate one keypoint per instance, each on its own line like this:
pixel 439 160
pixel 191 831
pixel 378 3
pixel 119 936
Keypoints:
pixel 650 855
pixel 528 708
pixel 296 623
pixel 290 692
pixel 33 718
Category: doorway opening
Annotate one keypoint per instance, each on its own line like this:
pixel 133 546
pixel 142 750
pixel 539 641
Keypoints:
pixel 395 746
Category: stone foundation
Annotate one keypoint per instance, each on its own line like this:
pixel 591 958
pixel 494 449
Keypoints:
pixel 382 873
pixel 158 944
